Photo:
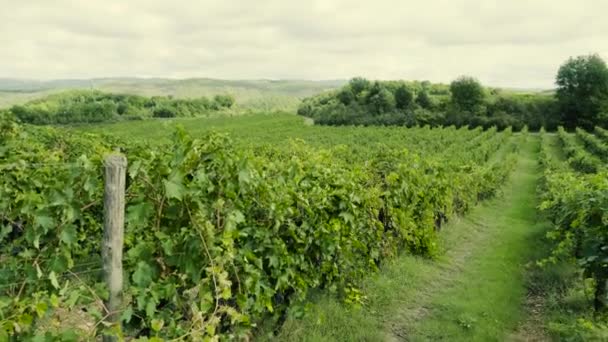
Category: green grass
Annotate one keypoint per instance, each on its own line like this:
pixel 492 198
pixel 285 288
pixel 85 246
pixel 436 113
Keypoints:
pixel 486 299
pixel 474 292
pixel 555 147
pixel 249 129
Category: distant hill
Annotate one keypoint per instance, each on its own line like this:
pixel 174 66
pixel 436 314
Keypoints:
pixel 254 94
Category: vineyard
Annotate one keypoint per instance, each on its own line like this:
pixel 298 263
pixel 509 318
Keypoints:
pixel 229 232
pixel 302 172
pixel 217 238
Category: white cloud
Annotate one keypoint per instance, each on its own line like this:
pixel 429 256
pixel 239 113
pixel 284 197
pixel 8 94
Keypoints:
pixel 504 43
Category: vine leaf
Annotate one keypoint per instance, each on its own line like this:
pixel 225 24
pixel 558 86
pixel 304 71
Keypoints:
pixel 53 279
pixel 142 276
pixel 68 235
pixel 174 187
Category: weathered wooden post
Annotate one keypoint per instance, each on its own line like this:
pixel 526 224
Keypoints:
pixel 113 221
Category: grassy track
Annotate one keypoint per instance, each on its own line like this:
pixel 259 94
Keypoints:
pixel 555 147
pixel 475 292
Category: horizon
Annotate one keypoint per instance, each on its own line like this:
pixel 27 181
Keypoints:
pixel 177 79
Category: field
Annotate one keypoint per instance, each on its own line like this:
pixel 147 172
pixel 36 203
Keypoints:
pixel 250 94
pixel 266 226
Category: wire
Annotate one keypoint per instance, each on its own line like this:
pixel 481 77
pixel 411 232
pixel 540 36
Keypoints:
pixel 39 165
pixel 35 281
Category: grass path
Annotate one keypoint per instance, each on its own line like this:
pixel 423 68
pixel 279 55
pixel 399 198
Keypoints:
pixel 555 147
pixel 475 292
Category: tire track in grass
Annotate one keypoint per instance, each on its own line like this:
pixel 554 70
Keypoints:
pixel 483 297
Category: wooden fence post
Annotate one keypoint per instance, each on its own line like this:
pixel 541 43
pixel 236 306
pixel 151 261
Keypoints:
pixel 113 223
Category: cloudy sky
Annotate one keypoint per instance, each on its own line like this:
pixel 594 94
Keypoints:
pixel 518 43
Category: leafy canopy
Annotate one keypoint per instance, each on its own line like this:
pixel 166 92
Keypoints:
pixel 467 93
pixel 582 91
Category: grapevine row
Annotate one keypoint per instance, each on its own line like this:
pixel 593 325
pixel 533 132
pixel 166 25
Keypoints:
pixel 578 158
pixel 577 204
pixel 593 144
pixel 601 133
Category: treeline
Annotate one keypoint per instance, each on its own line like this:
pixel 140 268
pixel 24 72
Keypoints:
pixel 464 102
pixel 581 100
pixel 96 106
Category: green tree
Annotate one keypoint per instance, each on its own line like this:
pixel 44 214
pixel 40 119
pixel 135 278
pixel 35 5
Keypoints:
pixel 582 91
pixel 358 85
pixel 346 95
pixel 223 100
pixel 380 99
pixel 403 97
pixel 423 100
pixel 467 94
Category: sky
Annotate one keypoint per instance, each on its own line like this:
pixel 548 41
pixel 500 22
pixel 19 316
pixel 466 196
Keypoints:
pixel 508 43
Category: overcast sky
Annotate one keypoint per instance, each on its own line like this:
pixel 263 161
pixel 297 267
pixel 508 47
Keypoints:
pixel 518 43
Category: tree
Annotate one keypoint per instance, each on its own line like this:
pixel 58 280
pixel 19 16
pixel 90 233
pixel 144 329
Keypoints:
pixel 467 94
pixel 358 85
pixel 346 96
pixel 423 100
pixel 403 97
pixel 164 112
pixel 223 101
pixel 380 99
pixel 582 91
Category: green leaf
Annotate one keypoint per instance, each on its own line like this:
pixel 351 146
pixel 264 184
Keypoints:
pixel 39 337
pixel 134 168
pixel 137 215
pixel 39 273
pixel 348 218
pixel 41 309
pixel 53 279
pixel 4 231
pixel 72 299
pixel 25 320
pixel 150 308
pixel 174 187
pixel 54 300
pixel 44 221
pixel 268 305
pixel 142 276
pixel 238 216
pixel 68 235
pixel 244 177
pixel 157 324
pixel 95 313
pixel 69 336
pixel 127 314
